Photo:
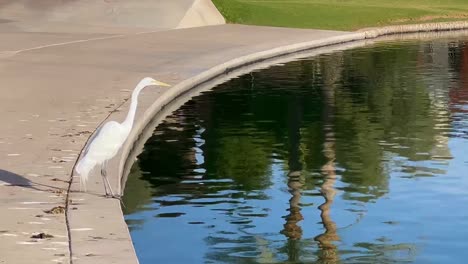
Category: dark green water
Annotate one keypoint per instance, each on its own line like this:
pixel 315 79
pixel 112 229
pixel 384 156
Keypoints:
pixel 358 156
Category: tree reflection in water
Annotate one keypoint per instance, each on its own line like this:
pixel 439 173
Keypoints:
pixel 340 125
pixel 332 73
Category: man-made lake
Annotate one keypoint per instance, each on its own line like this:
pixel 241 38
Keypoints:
pixel 359 156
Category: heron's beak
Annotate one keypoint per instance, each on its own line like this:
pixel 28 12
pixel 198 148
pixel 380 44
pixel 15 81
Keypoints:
pixel 158 83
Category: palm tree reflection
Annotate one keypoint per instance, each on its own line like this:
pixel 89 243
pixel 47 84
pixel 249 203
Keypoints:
pixel 328 251
pixel 292 230
pixel 295 179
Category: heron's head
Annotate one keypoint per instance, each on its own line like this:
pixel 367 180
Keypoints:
pixel 150 81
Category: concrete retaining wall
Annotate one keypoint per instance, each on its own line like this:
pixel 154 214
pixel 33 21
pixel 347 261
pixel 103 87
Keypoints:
pixel 202 13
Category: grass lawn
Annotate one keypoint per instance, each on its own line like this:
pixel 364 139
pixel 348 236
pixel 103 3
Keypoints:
pixel 340 14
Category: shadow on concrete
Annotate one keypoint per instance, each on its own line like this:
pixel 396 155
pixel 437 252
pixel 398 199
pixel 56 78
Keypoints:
pixel 13 179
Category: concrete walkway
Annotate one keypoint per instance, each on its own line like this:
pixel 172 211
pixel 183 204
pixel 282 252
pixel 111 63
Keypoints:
pixel 105 16
pixel 56 88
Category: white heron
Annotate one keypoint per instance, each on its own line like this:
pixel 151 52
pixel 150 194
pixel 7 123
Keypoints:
pixel 109 138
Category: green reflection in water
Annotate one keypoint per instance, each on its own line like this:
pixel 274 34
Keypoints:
pixel 295 163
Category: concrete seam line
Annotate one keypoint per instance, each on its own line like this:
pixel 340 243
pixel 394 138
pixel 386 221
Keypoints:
pixel 67 219
pixel 14 52
pixel 67 197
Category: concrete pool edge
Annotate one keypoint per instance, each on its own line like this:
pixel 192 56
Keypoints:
pixel 223 70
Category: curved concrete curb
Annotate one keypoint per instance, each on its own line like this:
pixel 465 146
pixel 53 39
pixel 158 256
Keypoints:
pixel 228 66
pixel 217 71
pixel 224 70
pixel 402 29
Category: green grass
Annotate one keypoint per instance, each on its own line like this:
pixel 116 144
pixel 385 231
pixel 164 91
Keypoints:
pixel 340 14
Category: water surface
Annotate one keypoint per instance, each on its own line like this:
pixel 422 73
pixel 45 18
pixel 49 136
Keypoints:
pixel 358 156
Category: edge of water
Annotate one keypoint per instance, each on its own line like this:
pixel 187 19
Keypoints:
pixel 146 120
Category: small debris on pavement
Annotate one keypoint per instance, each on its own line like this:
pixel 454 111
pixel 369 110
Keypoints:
pixel 56 210
pixel 42 236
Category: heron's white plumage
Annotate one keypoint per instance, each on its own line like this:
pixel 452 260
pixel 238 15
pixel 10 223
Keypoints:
pixel 110 137
pixel 105 145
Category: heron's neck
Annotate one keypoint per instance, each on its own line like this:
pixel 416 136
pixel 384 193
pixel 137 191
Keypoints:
pixel 128 122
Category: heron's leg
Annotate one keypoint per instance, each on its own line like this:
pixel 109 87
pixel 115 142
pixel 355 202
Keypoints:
pixel 110 188
pixel 82 185
pixel 104 176
pixel 106 181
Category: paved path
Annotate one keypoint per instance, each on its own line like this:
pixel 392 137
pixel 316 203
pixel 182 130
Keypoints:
pixel 56 88
pixel 109 16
